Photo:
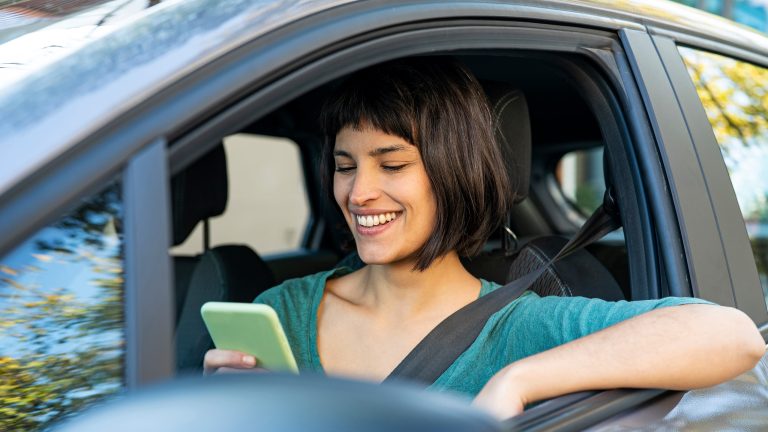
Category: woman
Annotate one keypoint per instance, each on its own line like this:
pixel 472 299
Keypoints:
pixel 418 177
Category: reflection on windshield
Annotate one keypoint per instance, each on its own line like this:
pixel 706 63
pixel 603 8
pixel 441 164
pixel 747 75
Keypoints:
pixel 735 97
pixel 61 317
pixel 34 33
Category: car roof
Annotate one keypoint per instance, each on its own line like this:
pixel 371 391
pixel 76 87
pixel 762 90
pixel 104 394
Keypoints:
pixel 53 107
pixel 681 18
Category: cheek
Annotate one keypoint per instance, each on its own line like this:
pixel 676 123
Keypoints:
pixel 431 207
pixel 340 192
pixel 428 198
pixel 422 203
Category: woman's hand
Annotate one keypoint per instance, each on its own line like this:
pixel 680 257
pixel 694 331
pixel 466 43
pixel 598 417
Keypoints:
pixel 217 360
pixel 501 396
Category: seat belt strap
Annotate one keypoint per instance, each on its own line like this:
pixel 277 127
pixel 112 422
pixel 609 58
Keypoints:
pixel 455 334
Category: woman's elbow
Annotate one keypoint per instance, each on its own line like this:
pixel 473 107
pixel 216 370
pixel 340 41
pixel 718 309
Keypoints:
pixel 744 336
pixel 727 337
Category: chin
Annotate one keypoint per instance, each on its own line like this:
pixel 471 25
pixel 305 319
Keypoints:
pixel 379 259
pixel 371 259
pixel 376 256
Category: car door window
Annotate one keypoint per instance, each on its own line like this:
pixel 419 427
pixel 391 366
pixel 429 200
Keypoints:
pixel 61 316
pixel 735 96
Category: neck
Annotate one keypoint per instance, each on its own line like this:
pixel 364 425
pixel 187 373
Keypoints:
pixel 397 287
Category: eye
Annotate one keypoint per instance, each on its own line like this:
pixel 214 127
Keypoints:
pixel 344 169
pixel 394 168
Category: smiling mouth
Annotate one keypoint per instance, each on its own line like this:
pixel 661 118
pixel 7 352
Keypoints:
pixel 374 220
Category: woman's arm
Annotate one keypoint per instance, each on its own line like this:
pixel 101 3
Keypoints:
pixel 679 348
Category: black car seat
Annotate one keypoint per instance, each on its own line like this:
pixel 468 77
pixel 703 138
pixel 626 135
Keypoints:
pixel 232 273
pixel 579 274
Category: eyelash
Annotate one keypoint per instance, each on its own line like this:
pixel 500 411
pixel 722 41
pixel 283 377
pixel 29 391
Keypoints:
pixel 393 168
pixel 389 168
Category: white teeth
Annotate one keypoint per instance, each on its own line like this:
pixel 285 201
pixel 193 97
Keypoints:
pixel 373 220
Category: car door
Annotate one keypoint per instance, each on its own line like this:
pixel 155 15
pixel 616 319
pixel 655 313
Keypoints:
pixel 82 300
pixel 741 143
pixel 721 262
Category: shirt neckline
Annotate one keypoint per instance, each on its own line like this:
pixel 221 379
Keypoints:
pixel 314 354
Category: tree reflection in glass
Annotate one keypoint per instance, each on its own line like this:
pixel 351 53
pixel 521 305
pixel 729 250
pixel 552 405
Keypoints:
pixel 61 303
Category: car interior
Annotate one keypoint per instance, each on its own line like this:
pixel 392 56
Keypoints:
pixel 541 116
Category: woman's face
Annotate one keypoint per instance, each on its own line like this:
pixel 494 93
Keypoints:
pixel 382 188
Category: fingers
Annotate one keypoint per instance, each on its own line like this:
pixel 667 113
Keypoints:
pixel 216 359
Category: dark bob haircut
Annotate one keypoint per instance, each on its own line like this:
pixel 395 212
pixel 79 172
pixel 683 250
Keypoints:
pixel 436 104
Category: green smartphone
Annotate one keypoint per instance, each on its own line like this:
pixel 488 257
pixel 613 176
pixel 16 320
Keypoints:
pixel 250 328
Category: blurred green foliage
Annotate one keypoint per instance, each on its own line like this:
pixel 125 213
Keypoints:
pixel 589 197
pixel 66 350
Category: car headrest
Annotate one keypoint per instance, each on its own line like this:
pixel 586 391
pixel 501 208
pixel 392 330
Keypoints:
pixel 199 192
pixel 513 133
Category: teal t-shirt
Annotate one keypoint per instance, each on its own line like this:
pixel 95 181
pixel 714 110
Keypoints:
pixel 528 325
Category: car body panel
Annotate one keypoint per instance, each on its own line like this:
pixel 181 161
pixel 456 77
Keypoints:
pixel 664 16
pixel 148 323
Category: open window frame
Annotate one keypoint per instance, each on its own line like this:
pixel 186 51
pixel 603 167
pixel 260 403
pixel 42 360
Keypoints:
pixel 603 77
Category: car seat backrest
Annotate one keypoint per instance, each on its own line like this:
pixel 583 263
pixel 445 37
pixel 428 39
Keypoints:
pixel 224 273
pixel 579 274
pixel 232 273
pixel 513 133
pixel 198 193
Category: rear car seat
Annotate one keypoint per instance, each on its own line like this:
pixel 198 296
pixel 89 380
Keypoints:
pixel 223 273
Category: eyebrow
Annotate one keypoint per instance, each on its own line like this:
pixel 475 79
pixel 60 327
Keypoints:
pixel 389 149
pixel 375 152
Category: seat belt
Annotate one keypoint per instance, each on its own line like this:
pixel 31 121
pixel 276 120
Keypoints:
pixel 454 335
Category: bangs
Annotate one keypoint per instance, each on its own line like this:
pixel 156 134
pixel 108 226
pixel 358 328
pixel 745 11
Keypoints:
pixel 370 100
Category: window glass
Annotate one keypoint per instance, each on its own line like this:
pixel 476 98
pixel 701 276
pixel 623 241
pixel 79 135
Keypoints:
pixel 735 97
pixel 61 316
pixel 267 208
pixel 580 176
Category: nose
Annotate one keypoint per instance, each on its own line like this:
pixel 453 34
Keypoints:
pixel 365 187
